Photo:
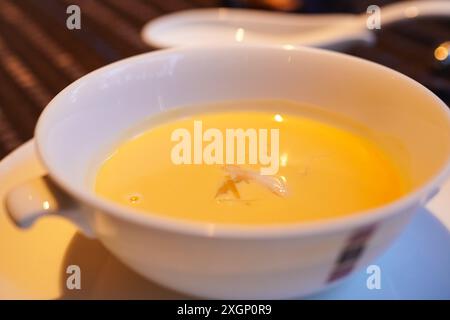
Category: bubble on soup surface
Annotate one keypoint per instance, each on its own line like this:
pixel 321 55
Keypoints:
pixel 134 198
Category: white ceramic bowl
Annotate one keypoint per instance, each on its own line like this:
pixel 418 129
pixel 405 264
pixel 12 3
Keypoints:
pixel 224 261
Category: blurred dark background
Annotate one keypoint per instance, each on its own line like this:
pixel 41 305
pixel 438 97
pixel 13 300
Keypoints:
pixel 39 56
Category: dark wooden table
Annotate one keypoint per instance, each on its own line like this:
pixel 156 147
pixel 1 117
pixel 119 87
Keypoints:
pixel 39 56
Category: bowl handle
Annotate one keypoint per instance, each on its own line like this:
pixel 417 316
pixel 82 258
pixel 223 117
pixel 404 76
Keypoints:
pixel 40 197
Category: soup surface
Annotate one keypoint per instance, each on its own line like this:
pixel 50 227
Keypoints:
pixel 328 166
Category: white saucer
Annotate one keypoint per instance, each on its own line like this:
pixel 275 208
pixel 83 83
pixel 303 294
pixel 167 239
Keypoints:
pixel 33 263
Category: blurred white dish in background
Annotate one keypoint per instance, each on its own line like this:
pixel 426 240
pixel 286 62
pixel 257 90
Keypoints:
pixel 244 26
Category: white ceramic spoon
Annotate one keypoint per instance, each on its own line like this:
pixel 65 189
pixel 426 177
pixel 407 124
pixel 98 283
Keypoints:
pixel 226 26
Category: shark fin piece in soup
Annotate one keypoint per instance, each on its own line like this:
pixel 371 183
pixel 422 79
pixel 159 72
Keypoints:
pixel 250 162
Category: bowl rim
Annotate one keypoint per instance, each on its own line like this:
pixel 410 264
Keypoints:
pixel 409 201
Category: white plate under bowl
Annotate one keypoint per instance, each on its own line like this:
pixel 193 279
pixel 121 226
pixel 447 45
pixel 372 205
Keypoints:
pixel 33 262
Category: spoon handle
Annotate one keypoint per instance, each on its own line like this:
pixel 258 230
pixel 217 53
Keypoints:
pixel 414 9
